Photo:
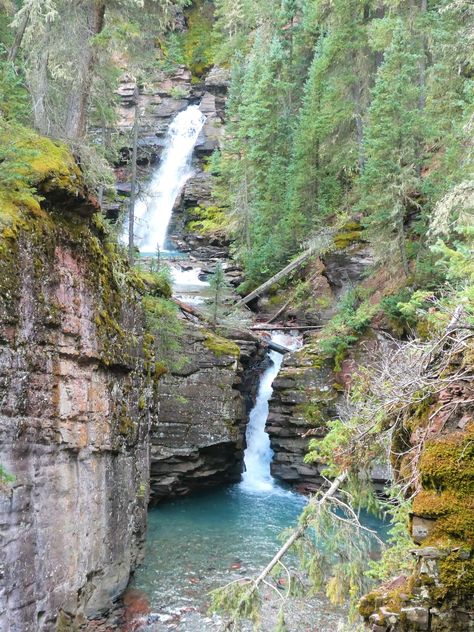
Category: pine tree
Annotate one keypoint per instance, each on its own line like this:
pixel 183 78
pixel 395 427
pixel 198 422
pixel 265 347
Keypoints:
pixel 390 183
pixel 328 141
pixel 218 284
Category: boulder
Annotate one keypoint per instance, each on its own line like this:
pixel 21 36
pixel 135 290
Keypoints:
pixel 218 78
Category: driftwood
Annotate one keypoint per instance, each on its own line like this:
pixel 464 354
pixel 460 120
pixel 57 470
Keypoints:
pixel 279 313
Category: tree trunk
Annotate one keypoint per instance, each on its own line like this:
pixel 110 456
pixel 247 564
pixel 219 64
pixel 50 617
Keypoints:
pixel 76 115
pixel 40 115
pixel 402 248
pixel 357 95
pixel 133 190
pixel 13 52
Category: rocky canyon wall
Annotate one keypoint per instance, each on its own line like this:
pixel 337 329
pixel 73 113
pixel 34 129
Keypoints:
pixel 75 404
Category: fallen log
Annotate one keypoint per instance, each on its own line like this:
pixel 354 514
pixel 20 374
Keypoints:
pixel 319 244
pixel 279 313
pixel 294 265
pixel 187 309
pixel 274 346
pixel 285 328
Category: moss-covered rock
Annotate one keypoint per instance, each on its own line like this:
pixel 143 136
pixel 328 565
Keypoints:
pixel 441 429
pixel 221 346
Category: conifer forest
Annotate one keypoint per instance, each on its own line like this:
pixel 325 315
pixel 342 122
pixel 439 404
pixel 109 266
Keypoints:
pixel 236 315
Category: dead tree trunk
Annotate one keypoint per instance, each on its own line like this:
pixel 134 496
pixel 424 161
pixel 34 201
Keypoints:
pixel 133 190
pixel 324 239
pixel 40 94
pixel 76 116
pixel 14 50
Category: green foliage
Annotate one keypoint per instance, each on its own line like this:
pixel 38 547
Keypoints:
pixel 173 53
pixel 237 601
pixel 390 178
pixel 5 479
pixel 218 285
pixel 379 127
pixel 179 93
pixel 14 98
pixel 198 51
pixel 157 283
pixel 207 220
pixel 166 328
pixel 396 559
pixel 353 317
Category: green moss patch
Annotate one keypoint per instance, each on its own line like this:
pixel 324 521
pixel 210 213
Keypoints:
pixel 221 346
pixel 350 234
pixel 456 576
pixel 448 463
pixel 198 39
pixel 152 283
pixel 29 161
pixel 207 220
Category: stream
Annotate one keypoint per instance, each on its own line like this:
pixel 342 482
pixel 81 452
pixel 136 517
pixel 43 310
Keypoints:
pixel 204 541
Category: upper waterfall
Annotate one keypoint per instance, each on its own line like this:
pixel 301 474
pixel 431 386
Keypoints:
pixel 153 211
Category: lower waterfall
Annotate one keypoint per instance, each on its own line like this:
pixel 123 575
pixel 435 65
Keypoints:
pixel 258 455
pixel 204 541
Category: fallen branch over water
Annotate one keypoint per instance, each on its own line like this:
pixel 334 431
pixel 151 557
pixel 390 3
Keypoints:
pixel 240 597
pixel 297 533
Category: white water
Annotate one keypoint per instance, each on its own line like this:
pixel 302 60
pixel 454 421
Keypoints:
pixel 153 212
pixel 258 455
pixel 187 279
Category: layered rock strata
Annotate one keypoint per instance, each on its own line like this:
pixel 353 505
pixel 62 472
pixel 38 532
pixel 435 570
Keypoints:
pixel 203 405
pixel 75 404
pixel 302 399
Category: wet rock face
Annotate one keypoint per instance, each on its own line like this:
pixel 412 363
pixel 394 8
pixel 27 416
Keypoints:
pixel 302 400
pixel 199 440
pixel 71 433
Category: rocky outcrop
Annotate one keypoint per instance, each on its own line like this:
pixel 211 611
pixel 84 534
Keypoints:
pixel 303 398
pixel 74 416
pixel 212 131
pixel 307 389
pixel 199 440
pixel 438 595
pixel 198 190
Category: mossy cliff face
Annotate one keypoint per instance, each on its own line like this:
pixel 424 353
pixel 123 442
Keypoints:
pixel 71 431
pixel 439 595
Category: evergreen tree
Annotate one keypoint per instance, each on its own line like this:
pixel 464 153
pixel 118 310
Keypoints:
pixel 328 140
pixel 218 285
pixel 390 183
